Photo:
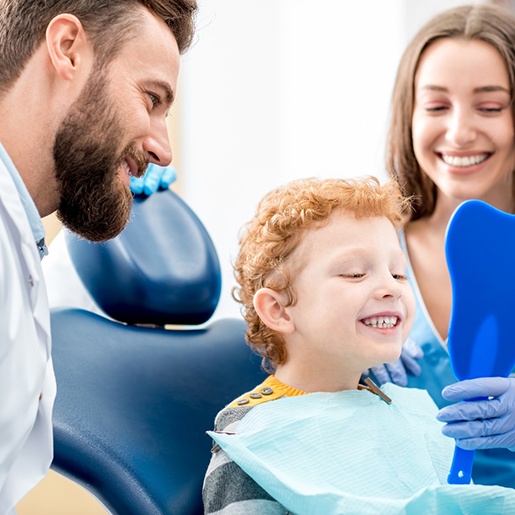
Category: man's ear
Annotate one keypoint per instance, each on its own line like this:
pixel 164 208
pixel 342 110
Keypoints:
pixel 270 306
pixel 66 42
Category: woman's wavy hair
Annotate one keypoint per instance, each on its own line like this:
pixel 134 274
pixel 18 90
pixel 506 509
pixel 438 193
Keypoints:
pixel 482 22
pixel 273 234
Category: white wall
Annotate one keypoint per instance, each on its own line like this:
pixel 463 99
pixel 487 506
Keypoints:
pixel 274 90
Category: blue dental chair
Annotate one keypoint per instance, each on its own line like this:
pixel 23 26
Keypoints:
pixel 135 398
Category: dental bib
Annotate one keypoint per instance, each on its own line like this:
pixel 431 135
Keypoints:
pixel 350 452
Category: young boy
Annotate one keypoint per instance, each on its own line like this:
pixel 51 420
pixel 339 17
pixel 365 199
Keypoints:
pixel 323 287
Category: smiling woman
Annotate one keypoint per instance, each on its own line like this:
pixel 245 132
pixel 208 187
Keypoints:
pixel 451 139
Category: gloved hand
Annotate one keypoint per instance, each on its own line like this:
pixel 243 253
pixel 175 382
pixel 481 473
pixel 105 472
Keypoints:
pixel 483 423
pixel 155 177
pixel 397 371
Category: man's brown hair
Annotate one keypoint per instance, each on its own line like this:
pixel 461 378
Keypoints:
pixel 108 23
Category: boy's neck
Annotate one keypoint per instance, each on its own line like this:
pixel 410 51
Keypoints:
pixel 308 379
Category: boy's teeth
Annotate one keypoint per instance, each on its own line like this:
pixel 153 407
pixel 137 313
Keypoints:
pixel 382 322
pixel 464 161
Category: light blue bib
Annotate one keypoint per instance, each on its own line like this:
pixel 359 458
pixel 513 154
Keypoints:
pixel 351 453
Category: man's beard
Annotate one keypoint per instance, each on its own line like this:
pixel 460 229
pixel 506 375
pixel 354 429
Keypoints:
pixel 94 202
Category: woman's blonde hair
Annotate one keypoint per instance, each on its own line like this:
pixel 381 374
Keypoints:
pixel 276 230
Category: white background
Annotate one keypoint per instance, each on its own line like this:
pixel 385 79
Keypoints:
pixel 274 90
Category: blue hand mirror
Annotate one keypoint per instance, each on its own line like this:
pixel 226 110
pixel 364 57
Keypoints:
pixel 480 251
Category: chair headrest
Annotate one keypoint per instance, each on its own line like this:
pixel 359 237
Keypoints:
pixel 162 269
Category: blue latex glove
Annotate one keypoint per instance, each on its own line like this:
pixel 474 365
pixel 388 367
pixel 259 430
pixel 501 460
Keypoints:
pixel 397 371
pixel 483 423
pixel 156 177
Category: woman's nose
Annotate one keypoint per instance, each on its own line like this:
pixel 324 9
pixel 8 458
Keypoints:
pixel 460 128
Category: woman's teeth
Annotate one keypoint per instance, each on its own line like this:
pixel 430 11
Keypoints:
pixel 464 161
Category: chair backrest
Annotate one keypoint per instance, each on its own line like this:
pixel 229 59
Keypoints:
pixel 134 402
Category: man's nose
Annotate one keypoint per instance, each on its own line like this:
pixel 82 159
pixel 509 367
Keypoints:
pixel 157 145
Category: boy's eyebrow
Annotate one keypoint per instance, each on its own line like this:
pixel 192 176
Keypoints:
pixel 348 255
pixel 359 252
pixel 351 251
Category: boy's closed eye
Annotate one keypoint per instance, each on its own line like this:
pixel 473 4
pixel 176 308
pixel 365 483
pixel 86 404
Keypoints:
pixel 354 275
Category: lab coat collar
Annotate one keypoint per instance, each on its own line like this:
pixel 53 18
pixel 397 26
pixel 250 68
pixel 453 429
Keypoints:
pixel 28 204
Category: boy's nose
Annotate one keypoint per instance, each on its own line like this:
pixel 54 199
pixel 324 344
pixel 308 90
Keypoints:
pixel 389 287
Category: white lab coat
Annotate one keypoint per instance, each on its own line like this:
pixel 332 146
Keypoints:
pixel 27 382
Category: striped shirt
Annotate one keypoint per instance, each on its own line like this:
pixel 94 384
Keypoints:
pixel 227 489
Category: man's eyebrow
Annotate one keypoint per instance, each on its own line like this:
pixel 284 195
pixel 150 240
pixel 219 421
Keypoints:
pixel 163 86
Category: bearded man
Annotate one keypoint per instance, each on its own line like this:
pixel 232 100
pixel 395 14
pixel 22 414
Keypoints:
pixel 85 86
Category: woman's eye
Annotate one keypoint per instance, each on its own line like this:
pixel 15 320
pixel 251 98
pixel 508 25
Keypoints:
pixel 491 109
pixel 435 108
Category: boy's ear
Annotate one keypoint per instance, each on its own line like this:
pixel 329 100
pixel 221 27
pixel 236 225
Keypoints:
pixel 66 42
pixel 269 306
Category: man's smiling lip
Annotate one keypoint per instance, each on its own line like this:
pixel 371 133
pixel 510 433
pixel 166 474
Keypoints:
pixel 133 167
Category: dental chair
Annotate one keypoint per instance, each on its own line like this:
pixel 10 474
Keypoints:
pixel 135 397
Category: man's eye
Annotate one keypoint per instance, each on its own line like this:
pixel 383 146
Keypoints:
pixel 156 101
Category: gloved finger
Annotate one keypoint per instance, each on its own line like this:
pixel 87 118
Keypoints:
pixel 381 374
pixel 397 372
pixel 168 177
pixel 137 185
pixel 411 365
pixel 480 428
pixel 152 178
pixel 473 410
pixel 472 388
pixel 412 349
pixel 493 442
pixel 158 177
